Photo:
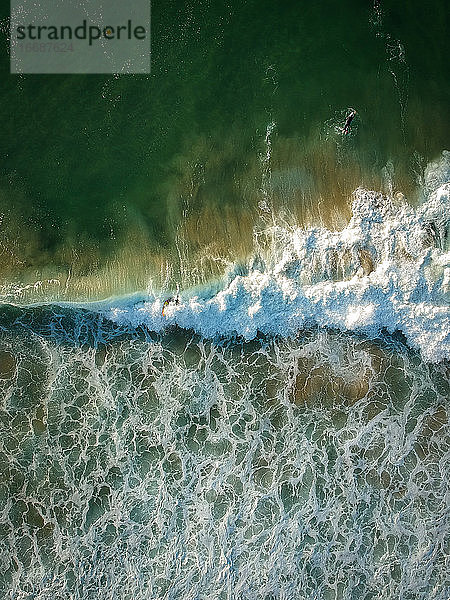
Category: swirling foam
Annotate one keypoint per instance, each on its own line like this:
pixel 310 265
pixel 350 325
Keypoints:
pixel 140 466
pixel 181 468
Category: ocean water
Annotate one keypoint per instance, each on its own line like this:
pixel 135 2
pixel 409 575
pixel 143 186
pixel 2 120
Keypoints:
pixel 143 465
pixel 224 324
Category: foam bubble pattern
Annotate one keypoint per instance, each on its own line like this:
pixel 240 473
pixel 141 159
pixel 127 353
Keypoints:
pixel 388 269
pixel 141 466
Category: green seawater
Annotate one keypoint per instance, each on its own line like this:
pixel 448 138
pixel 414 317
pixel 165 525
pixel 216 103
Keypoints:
pixel 109 184
pixel 143 461
pixel 137 465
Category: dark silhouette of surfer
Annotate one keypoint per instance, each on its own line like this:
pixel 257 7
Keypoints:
pixel 351 115
pixel 171 300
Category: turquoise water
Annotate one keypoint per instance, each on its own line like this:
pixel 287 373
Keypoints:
pixel 281 430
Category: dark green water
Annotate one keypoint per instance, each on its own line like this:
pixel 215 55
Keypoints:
pixel 281 433
pixel 110 182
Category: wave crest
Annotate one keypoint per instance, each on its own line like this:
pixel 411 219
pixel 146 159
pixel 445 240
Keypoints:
pixel 388 269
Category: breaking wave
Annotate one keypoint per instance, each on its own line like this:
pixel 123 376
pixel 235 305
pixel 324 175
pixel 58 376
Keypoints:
pixel 388 269
pixel 140 460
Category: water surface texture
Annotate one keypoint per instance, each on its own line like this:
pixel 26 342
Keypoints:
pixel 111 183
pixel 224 323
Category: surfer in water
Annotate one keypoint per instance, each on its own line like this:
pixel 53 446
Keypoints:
pixel 172 300
pixel 351 115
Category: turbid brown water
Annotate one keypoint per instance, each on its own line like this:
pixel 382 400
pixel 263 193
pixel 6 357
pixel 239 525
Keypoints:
pixel 282 432
pixel 109 184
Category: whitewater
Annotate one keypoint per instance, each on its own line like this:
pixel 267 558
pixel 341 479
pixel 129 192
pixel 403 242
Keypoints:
pixel 141 460
pixel 389 268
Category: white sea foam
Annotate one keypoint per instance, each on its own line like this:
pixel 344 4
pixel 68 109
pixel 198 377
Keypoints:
pixel 388 269
pixel 180 468
pixel 176 467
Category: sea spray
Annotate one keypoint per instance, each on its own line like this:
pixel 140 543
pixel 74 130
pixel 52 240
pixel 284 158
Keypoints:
pixel 388 269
